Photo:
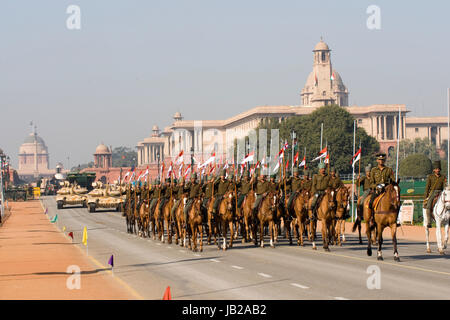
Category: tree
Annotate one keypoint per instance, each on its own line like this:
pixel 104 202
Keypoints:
pixel 123 157
pixel 409 147
pixel 415 165
pixel 337 135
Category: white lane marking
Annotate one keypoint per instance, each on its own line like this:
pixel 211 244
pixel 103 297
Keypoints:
pixel 237 267
pixel 299 286
pixel 264 275
pixel 169 247
pixel 159 244
pixel 214 260
pixel 340 298
pixel 181 251
pixel 197 255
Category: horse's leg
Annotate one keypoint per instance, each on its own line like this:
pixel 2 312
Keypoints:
pixel 343 230
pixel 224 234
pixel 445 235
pixel 261 236
pixel 394 241
pixel 312 232
pixel 369 239
pixel 325 235
pixel 439 236
pixel 271 233
pixel 427 235
pixel 380 242
pixel 232 233
pixel 200 230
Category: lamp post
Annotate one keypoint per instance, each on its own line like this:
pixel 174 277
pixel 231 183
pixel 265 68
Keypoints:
pixel 158 157
pixel 2 160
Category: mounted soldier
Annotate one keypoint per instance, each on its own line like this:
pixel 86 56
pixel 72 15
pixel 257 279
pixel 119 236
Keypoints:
pixel 295 183
pixel 223 185
pixel 380 177
pixel 262 188
pixel 194 188
pixel 243 187
pixel 320 183
pixel 365 182
pixel 335 181
pixel 307 182
pixel 178 191
pixel 155 195
pixel 435 184
pixel 207 189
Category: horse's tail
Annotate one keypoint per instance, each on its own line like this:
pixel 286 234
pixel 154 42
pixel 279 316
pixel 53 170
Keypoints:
pixel 356 224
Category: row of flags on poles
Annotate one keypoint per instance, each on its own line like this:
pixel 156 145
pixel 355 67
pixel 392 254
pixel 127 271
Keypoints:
pixel 210 165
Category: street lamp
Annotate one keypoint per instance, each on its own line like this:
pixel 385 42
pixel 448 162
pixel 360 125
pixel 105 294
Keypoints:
pixel 2 160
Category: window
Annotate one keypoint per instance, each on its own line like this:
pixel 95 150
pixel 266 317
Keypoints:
pixel 324 57
pixel 416 129
pixel 359 121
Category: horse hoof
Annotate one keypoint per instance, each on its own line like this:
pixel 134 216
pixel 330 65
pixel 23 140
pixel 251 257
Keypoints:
pixel 369 252
pixel 397 259
pixel 441 252
pixel 327 249
pixel 380 258
pixel 360 242
pixel 428 250
pixel 340 244
pixel 314 248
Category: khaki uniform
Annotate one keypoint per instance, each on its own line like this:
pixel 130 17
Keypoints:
pixel 435 184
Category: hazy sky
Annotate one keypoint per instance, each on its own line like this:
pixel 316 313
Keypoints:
pixel 133 64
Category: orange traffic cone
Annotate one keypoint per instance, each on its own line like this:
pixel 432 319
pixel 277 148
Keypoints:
pixel 167 295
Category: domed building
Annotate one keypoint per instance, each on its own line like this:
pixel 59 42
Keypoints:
pixel 102 157
pixel 324 85
pixel 34 158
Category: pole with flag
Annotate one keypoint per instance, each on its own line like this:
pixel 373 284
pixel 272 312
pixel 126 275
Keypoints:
pixel 84 240
pixel 353 170
pixel 111 263
pixel 398 143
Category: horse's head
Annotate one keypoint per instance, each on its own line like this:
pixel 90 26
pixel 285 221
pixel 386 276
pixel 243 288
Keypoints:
pixel 228 199
pixel 343 196
pixel 393 191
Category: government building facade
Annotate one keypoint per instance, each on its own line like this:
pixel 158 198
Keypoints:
pixel 324 86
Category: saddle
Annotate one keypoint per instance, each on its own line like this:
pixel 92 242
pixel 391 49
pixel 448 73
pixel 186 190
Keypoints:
pixel 435 199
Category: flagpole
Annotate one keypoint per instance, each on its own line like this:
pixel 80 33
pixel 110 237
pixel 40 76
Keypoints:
pixel 398 143
pixel 353 171
pixel 321 137
pixel 448 136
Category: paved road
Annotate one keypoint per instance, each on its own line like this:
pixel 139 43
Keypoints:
pixel 248 272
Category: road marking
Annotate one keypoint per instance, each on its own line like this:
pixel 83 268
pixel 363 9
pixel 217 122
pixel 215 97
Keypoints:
pixel 181 251
pixel 237 267
pixel 340 298
pixel 264 275
pixel 158 244
pixel 197 255
pixel 376 261
pixel 214 260
pixel 299 286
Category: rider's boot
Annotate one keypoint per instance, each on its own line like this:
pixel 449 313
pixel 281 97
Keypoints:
pixel 429 218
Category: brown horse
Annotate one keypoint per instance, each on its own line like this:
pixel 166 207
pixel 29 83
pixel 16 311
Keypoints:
pixel 385 215
pixel 167 221
pixel 180 230
pixel 195 224
pixel 157 221
pixel 325 215
pixel 212 221
pixel 342 199
pixel 144 217
pixel 301 213
pixel 226 219
pixel 266 214
pixel 249 218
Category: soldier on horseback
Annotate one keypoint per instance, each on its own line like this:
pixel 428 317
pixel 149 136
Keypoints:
pixel 155 195
pixel 195 190
pixel 223 185
pixel 243 186
pixel 320 183
pixel 380 177
pixel 295 184
pixel 365 182
pixel 207 190
pixel 178 191
pixel 435 184
pixel 262 188
pixel 306 182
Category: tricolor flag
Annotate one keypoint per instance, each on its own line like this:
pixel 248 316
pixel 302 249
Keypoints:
pixel 169 171
pixel 180 157
pixel 332 76
pixel 188 170
pixel 327 159
pixel 248 158
pixel 162 170
pixel 286 145
pixel 210 160
pixel 180 170
pixel 322 154
pixel 303 162
pixel 356 157
pixel 296 158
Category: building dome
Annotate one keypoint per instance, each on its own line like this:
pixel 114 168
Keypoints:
pixel 155 128
pixel 102 149
pixel 321 46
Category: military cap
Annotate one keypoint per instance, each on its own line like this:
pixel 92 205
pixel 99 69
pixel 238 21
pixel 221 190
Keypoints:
pixel 193 175
pixel 321 165
pixel 246 174
pixel 274 176
pixel 223 173
pixel 157 181
pixel 295 170
pixel 380 156
pixel 437 164
pixel 332 169
pixel 369 167
pixel 175 180
pixel 181 180
pixel 210 177
pixel 231 175
pixel 167 180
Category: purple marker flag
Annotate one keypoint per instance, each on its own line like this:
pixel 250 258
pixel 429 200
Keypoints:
pixel 111 261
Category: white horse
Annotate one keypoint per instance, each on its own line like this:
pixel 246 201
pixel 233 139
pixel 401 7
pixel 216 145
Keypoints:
pixel 441 213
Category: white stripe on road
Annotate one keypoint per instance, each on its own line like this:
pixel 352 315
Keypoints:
pixel 237 267
pixel 214 260
pixel 340 298
pixel 264 275
pixel 299 286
